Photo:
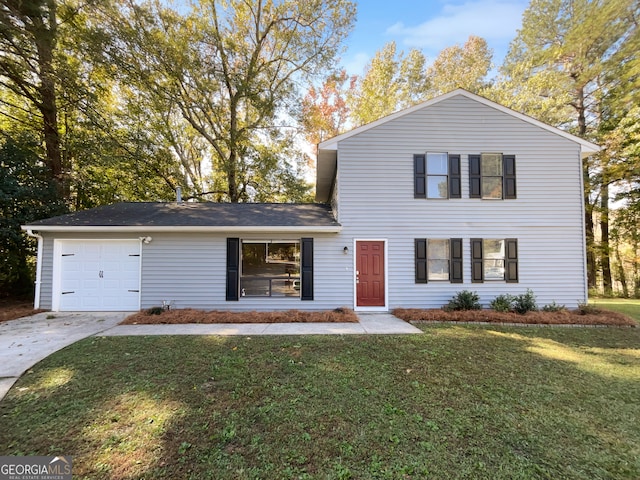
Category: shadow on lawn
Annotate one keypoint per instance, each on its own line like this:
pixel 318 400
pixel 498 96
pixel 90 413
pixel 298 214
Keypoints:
pixel 456 402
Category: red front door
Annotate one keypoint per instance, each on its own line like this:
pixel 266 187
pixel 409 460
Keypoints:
pixel 370 288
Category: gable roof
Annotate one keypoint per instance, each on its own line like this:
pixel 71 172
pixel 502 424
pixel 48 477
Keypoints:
pixel 194 217
pixel 327 157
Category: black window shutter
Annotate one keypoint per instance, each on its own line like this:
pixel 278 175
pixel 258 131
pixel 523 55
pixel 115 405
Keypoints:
pixel 306 269
pixel 455 251
pixel 509 176
pixel 511 260
pixel 477 272
pixel 419 176
pixel 421 260
pixel 455 179
pixel 475 177
pixel 233 269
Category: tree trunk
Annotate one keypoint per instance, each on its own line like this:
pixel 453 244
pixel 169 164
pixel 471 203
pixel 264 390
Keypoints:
pixel 45 39
pixel 605 254
pixel 621 273
pixel 592 272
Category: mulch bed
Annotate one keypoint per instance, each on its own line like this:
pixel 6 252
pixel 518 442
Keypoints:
pixel 189 315
pixel 11 308
pixel 567 317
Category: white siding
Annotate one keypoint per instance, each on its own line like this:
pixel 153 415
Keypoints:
pixel 376 201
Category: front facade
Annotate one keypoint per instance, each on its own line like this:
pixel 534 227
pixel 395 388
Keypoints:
pixel 455 194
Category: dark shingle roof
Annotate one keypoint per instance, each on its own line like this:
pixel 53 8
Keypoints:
pixel 131 214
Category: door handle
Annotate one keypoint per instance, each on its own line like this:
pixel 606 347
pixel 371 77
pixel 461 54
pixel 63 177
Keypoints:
pixel 101 274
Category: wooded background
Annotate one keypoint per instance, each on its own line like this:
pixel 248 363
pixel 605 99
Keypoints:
pixel 121 100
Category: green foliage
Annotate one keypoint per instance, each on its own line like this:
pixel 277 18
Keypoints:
pixel 154 311
pixel 588 309
pixel 554 307
pixel 525 302
pixel 27 193
pixel 464 300
pixel 502 303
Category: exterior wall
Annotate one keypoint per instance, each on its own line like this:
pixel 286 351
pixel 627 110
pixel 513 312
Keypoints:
pixel 190 270
pixel 377 201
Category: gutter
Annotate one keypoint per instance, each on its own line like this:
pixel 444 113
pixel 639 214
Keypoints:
pixel 204 229
pixel 36 301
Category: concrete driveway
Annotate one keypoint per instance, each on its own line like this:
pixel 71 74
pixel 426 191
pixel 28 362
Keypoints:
pixel 26 341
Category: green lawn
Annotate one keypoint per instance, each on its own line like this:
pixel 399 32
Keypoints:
pixel 623 305
pixel 474 402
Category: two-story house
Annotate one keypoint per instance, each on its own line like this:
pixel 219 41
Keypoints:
pixel 457 193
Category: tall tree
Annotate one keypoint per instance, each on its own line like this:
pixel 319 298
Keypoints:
pixel 465 66
pixel 230 68
pixel 558 61
pixel 28 36
pixel 390 82
pixel 324 112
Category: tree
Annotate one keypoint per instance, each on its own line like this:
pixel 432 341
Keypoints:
pixel 230 68
pixel 28 36
pixel 391 81
pixel 27 193
pixel 324 112
pixel 461 67
pixel 556 71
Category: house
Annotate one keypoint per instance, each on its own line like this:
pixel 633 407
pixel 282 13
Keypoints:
pixel 457 193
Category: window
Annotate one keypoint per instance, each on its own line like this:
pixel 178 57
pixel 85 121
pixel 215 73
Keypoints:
pixel 259 268
pixel 270 269
pixel 494 259
pixel 492 176
pixel 436 175
pixel 438 260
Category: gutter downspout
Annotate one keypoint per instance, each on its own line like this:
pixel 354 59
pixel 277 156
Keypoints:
pixel 36 302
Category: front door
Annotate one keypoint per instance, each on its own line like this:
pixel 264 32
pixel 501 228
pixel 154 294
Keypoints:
pixel 370 282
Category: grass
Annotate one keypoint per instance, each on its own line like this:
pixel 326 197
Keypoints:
pixel 629 307
pixel 482 402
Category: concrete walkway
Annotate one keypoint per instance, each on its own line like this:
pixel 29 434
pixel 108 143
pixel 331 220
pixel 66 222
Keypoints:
pixel 26 341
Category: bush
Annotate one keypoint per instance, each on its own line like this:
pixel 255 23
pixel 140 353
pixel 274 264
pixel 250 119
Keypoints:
pixel 502 303
pixel 155 311
pixel 554 307
pixel 464 300
pixel 587 309
pixel 525 302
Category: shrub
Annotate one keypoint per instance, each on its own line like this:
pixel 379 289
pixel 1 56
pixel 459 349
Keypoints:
pixel 525 302
pixel 155 311
pixel 554 307
pixel 586 309
pixel 502 303
pixel 464 300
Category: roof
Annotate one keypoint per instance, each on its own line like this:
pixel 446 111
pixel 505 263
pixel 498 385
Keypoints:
pixel 187 216
pixel 327 150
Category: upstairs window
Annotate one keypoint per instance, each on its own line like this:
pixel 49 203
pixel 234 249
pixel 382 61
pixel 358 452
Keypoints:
pixel 436 175
pixel 492 176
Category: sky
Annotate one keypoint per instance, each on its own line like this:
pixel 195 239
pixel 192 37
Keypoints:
pixel 430 25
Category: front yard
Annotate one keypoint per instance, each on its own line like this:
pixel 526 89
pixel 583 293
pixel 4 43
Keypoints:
pixel 457 402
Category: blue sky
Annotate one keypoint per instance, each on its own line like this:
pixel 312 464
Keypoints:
pixel 430 25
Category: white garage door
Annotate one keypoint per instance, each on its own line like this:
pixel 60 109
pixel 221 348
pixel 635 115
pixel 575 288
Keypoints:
pixel 99 275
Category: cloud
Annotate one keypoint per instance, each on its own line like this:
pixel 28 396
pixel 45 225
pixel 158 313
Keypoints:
pixel 354 64
pixel 496 21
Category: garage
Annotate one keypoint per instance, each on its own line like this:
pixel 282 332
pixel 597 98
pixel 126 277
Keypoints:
pixel 97 275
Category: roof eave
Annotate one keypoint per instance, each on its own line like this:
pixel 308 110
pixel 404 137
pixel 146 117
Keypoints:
pixel 182 229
